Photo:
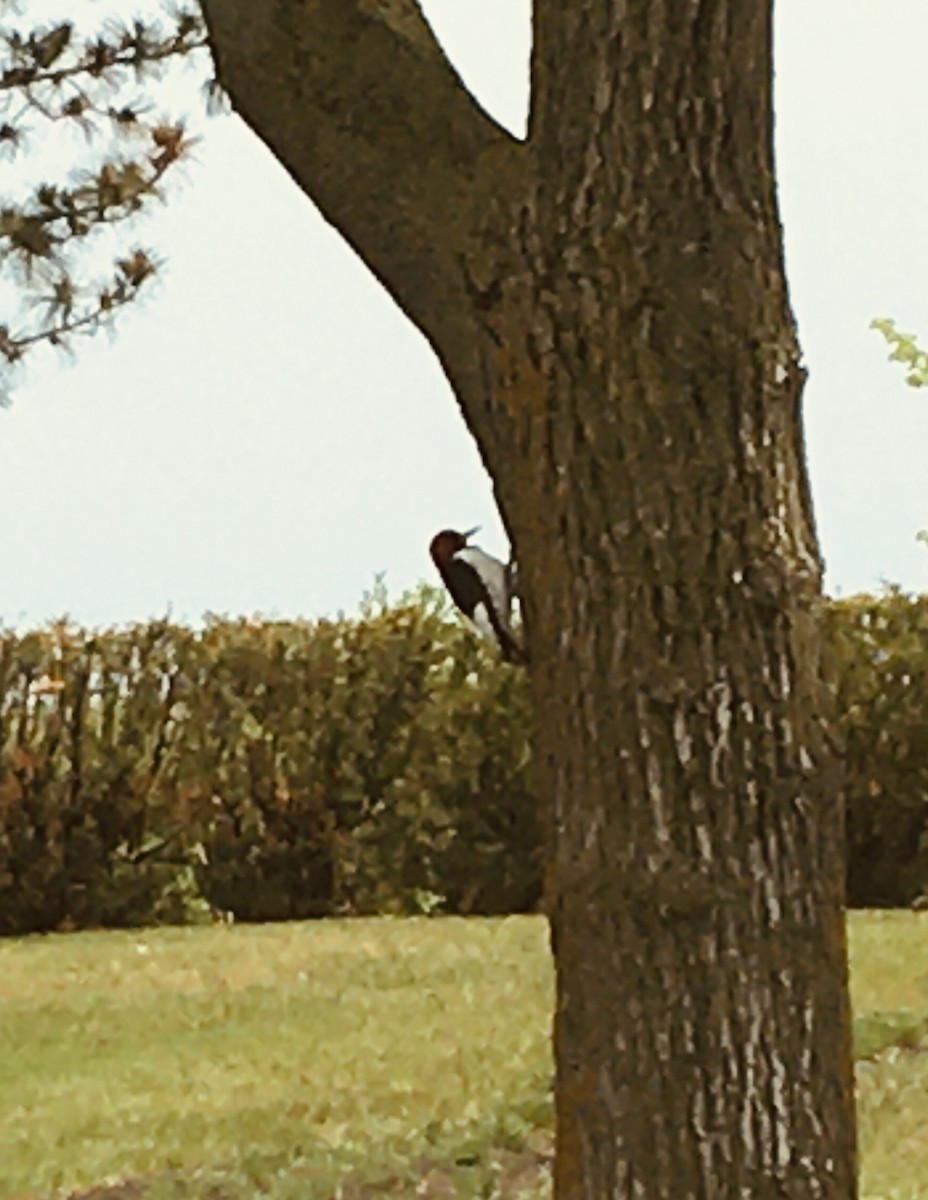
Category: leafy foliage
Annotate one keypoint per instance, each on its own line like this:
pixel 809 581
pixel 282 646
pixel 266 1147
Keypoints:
pixel 89 815
pixel 53 82
pixel 294 769
pixel 905 349
pixel 276 770
pixel 879 650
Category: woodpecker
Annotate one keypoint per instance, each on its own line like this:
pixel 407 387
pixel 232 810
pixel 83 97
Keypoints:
pixel 480 585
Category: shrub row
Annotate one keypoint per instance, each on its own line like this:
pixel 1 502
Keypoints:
pixel 268 769
pixel 278 770
pixel 879 665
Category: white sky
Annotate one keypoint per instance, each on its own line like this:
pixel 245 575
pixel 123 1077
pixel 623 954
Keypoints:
pixel 267 432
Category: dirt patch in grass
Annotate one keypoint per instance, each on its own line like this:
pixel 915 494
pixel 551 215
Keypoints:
pixel 523 1174
pixel 126 1189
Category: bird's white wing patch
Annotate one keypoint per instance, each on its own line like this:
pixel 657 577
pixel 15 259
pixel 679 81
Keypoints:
pixel 493 574
pixel 482 623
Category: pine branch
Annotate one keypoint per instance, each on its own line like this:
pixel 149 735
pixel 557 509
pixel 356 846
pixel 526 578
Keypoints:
pixel 50 77
pixel 54 215
pixel 36 59
pixel 65 315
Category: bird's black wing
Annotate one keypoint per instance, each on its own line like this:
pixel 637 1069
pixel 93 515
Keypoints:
pixel 466 587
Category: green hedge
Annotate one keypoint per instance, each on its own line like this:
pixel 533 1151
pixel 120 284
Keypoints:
pixel 278 770
pixel 88 813
pixel 272 770
pixel 879 663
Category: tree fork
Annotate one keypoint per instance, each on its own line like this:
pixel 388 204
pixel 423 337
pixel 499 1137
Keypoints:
pixel 608 301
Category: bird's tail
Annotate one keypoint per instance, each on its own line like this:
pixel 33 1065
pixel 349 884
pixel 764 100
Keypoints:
pixel 511 650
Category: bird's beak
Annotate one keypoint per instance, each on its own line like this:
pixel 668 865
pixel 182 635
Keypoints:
pixel 470 532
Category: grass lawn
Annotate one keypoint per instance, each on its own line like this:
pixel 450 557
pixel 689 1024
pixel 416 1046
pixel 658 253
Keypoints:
pixel 227 1062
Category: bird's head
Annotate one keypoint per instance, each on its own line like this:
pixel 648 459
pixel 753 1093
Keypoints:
pixel 446 544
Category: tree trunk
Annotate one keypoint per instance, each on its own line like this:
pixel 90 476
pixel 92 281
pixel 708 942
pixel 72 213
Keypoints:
pixel 608 301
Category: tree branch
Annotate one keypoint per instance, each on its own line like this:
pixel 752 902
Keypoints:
pixel 358 101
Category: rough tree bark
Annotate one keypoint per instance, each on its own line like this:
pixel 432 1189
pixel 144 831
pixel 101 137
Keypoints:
pixel 608 301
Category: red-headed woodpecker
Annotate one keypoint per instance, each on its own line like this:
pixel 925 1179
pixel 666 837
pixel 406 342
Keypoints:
pixel 480 585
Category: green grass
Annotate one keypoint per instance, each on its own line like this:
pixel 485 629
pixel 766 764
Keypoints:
pixel 304 1050
pixel 278 1060
pixel 889 991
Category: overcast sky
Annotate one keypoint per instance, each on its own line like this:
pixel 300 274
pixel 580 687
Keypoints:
pixel 268 431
